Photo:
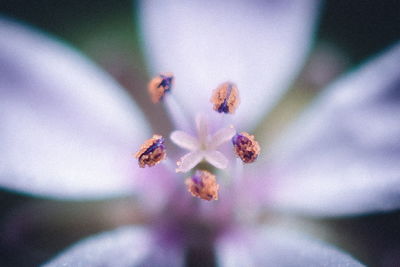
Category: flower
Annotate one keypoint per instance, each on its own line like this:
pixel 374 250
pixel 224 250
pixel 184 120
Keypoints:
pixel 67 131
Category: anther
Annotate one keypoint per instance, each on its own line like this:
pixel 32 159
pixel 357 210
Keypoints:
pixel 159 85
pixel 151 152
pixel 225 98
pixel 203 185
pixel 246 147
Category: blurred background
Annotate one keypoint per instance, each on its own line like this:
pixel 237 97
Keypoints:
pixel 32 230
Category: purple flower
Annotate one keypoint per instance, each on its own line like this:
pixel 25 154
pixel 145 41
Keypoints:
pixel 68 131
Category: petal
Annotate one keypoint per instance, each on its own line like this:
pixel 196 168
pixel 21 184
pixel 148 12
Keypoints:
pixel 221 136
pixel 184 140
pixel 202 128
pixel 216 158
pixel 342 157
pixel 129 246
pixel 188 161
pixel 259 45
pixel 67 129
pixel 276 247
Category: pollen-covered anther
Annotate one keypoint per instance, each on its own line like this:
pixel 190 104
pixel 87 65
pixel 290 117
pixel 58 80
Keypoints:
pixel 246 147
pixel 151 152
pixel 203 185
pixel 225 98
pixel 159 85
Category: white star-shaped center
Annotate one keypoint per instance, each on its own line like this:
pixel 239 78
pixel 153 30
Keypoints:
pixel 204 146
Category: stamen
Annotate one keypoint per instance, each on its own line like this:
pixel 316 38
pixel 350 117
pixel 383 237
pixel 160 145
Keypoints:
pixel 246 147
pixel 176 112
pixel 151 152
pixel 203 185
pixel 225 98
pixel 159 85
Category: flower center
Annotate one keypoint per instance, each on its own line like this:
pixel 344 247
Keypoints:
pixel 204 146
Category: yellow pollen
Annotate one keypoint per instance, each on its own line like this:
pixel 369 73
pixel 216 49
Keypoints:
pixel 246 147
pixel 225 98
pixel 203 185
pixel 159 85
pixel 151 152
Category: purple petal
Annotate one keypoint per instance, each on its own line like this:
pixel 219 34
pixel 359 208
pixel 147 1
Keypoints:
pixel 67 129
pixel 272 247
pixel 129 246
pixel 259 45
pixel 342 157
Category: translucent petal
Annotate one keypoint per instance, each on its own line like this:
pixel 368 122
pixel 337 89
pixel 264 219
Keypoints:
pixel 188 161
pixel 272 247
pixel 184 140
pixel 221 136
pixel 129 246
pixel 342 156
pixel 202 128
pixel 216 158
pixel 67 129
pixel 259 45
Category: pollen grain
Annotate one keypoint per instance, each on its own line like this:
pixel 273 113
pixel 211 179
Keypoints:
pixel 225 98
pixel 246 147
pixel 159 85
pixel 203 185
pixel 151 152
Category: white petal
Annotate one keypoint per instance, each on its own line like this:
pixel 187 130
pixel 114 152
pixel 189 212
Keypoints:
pixel 272 247
pixel 188 161
pixel 67 129
pixel 129 246
pixel 342 157
pixel 184 140
pixel 216 158
pixel 221 136
pixel 202 128
pixel 259 45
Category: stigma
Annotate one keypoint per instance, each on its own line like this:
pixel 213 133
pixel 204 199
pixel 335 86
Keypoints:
pixel 246 147
pixel 225 98
pixel 151 152
pixel 204 146
pixel 203 185
pixel 160 85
